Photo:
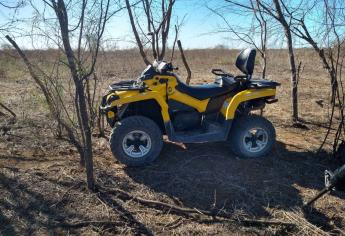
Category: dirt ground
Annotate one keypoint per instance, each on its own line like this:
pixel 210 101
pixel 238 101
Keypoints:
pixel 43 189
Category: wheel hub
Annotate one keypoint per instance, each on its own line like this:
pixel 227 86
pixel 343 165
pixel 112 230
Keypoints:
pixel 255 140
pixel 136 144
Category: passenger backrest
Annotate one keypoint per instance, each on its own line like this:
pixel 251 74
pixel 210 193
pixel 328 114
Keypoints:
pixel 246 60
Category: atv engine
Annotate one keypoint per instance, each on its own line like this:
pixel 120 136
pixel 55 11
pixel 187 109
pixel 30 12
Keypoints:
pixel 186 120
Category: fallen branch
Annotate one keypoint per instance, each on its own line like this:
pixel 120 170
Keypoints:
pixel 250 222
pixel 77 185
pixel 187 211
pixel 304 224
pixel 86 223
pixel 8 109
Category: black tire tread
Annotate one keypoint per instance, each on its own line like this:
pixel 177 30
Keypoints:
pixel 241 124
pixel 131 123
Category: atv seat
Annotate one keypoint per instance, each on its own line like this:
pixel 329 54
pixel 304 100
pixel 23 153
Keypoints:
pixel 205 91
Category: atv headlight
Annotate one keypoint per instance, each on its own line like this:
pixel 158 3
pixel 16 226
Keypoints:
pixel 110 114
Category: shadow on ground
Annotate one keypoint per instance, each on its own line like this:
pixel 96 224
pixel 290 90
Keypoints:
pixel 36 197
pixel 208 174
pixel 43 199
pixel 22 208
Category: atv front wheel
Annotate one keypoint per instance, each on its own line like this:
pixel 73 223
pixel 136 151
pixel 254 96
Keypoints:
pixel 252 136
pixel 136 141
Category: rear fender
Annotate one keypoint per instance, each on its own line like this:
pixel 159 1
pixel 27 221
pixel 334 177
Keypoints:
pixel 231 104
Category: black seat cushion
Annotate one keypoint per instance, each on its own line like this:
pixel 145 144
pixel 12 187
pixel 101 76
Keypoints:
pixel 204 91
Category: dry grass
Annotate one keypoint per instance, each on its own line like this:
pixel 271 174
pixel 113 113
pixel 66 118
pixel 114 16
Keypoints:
pixel 42 185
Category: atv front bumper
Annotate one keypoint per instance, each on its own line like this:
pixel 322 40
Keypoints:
pixel 107 108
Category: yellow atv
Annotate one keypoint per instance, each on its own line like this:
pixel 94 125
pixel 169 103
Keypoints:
pixel 158 103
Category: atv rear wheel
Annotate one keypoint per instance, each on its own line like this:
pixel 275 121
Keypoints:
pixel 136 141
pixel 252 136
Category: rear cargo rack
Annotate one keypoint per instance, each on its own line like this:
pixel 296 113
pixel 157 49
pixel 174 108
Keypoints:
pixel 126 85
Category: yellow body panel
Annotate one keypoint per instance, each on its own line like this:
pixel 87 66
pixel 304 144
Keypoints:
pixel 230 105
pixel 134 96
pixel 199 105
pixel 157 91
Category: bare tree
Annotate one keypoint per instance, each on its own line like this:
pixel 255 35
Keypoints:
pixel 8 22
pixel 157 26
pixel 277 13
pixel 255 34
pixel 262 11
pixel 262 20
pixel 79 23
pixel 328 42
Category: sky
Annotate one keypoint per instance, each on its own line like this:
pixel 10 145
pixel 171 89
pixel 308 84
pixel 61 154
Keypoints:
pixel 197 31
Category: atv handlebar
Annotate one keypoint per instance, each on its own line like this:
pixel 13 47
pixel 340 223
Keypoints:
pixel 163 67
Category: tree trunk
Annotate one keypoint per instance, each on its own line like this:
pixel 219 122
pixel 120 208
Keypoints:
pixel 264 65
pixel 88 158
pixel 294 86
pixel 287 31
pixel 80 103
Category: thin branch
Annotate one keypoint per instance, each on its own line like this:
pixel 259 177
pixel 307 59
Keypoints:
pixel 185 63
pixel 136 35
pixel 8 109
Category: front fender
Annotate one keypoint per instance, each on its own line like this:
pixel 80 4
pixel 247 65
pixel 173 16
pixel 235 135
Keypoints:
pixel 231 104
pixel 136 97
